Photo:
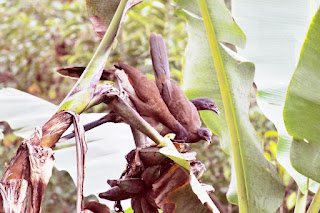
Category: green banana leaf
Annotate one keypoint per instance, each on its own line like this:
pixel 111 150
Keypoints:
pixel 275 35
pixel 105 143
pixel 200 79
pixel 82 93
pixel 302 106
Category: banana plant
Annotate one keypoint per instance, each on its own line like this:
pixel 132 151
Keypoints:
pixel 212 69
pixel 87 93
pixel 17 177
pixel 301 109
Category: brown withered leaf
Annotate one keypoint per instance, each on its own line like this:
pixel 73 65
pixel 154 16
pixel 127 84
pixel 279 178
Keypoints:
pixel 14 195
pixel 98 25
pixel 175 192
pixel 81 149
pixel 95 207
pixel 41 163
pixel 101 13
pixel 76 72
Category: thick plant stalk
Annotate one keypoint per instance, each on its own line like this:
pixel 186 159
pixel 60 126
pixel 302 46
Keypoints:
pixel 140 139
pixel 228 107
pixel 76 101
pixel 315 204
pixel 82 93
pixel 301 202
pixel 132 117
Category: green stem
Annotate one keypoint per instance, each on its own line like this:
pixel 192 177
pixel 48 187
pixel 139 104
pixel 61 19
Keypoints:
pixel 131 116
pixel 81 94
pixel 228 107
pixel 315 204
pixel 301 202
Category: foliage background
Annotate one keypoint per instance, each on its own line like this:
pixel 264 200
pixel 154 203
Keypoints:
pixel 37 37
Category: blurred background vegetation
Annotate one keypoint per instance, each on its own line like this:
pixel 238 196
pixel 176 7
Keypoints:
pixel 38 37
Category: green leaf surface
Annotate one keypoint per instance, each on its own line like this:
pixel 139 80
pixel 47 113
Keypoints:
pixel 200 79
pixel 221 19
pixel 303 152
pixel 303 98
pixel 172 153
pixel 105 143
pixel 274 37
pixel 301 202
pixel 315 203
pixel 272 103
pixel 301 111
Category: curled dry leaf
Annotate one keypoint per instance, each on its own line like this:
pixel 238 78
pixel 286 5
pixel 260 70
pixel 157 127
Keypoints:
pixel 161 184
pixel 81 147
pixel 41 163
pixel 132 185
pixel 99 26
pixel 197 168
pixel 37 170
pixel 14 194
pixel 151 174
pixel 76 72
pixel 177 181
pixel 116 194
pixel 95 207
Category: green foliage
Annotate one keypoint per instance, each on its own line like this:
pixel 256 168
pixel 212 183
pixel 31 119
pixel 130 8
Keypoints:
pixel 274 47
pixel 39 36
pixel 82 93
pixel 291 200
pixel 303 103
pixel 151 16
pixel 259 176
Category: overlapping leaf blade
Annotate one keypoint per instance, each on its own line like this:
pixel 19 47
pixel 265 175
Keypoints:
pixel 199 79
pixel 301 111
pixel 82 93
pixel 275 35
